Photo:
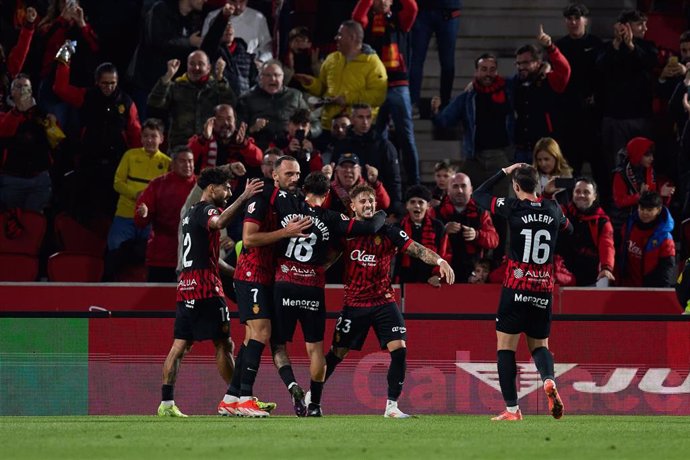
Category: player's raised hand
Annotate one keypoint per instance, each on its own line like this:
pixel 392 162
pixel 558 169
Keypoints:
pixel 253 187
pixel 513 167
pixel 543 38
pixel 447 272
pixel 296 227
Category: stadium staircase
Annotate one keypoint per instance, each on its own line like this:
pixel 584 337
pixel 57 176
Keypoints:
pixel 497 26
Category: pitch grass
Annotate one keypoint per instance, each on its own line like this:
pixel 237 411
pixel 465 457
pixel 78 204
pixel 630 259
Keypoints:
pixel 423 438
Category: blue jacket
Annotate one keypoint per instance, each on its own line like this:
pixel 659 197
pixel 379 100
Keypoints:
pixel 463 109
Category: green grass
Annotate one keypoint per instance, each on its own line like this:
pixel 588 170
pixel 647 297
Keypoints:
pixel 423 438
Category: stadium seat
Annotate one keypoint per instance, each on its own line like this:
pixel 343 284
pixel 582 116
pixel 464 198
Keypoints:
pixel 21 232
pixel 131 274
pixel 73 236
pixel 70 266
pixel 18 267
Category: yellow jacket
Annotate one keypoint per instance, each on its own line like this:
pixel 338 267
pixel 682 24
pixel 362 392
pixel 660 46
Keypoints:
pixel 135 171
pixel 362 80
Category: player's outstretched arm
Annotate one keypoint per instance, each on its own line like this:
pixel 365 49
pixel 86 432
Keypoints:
pixel 252 237
pixel 253 187
pixel 429 257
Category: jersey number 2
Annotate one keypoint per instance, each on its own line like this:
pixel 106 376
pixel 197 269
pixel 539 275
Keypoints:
pixel 187 245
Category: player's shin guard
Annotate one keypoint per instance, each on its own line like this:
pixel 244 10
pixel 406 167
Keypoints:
pixel 234 387
pixel 331 362
pixel 250 366
pixel 543 359
pixel 507 373
pixel 396 373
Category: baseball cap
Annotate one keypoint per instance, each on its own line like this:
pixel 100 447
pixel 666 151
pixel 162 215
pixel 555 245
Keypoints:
pixel 348 158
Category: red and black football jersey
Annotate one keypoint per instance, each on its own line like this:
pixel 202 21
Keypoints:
pixel 257 265
pixel 368 266
pixel 301 260
pixel 200 247
pixel 534 228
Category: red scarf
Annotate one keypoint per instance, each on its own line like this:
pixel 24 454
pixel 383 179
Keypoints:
pixel 496 89
pixel 428 235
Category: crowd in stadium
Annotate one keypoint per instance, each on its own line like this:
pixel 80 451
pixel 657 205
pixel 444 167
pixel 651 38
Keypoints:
pixel 103 131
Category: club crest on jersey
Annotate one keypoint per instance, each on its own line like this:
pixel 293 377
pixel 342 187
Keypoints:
pixel 377 240
pixel 256 308
pixel 213 212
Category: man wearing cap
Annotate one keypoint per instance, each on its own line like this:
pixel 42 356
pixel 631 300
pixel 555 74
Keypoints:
pixel 427 231
pixel 348 173
pixel 579 118
pixel 373 151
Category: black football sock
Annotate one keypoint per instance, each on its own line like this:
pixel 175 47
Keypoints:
pixel 396 373
pixel 316 390
pixel 543 359
pixel 234 387
pixel 331 362
pixel 250 366
pixel 507 373
pixel 287 375
pixel 167 392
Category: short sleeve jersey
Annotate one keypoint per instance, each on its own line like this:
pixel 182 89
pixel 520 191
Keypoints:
pixel 200 247
pixel 534 227
pixel 368 266
pixel 301 260
pixel 256 265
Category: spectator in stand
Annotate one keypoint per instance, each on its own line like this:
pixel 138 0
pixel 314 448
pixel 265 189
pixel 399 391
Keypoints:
pixel 109 127
pixel 65 20
pixel 550 165
pixel 296 142
pixel 250 25
pixel 170 29
pixel 535 88
pixel 443 171
pixel 352 75
pixel 221 42
pixel 627 70
pixel 221 143
pixel 480 274
pixel 487 118
pixel 374 151
pixel 348 173
pixel 330 139
pixel 137 168
pixel 267 107
pixel 301 56
pixel 387 31
pixel 159 206
pixel 427 231
pixel 470 230
pixel 442 19
pixel 191 98
pixel 633 178
pixel 13 64
pixel 25 151
pixel 579 119
pixel 648 254
pixel 589 253
pixel 269 160
pixel 673 84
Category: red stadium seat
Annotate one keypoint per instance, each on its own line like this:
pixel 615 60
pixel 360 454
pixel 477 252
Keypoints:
pixel 18 267
pixel 22 233
pixel 73 236
pixel 69 266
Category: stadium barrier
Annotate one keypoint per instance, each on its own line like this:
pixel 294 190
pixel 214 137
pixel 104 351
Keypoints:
pixel 109 362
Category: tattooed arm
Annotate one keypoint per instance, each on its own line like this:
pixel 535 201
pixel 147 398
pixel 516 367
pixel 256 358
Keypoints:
pixel 429 257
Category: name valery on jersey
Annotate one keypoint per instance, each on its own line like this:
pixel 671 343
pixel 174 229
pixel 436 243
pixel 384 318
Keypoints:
pixel 537 218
